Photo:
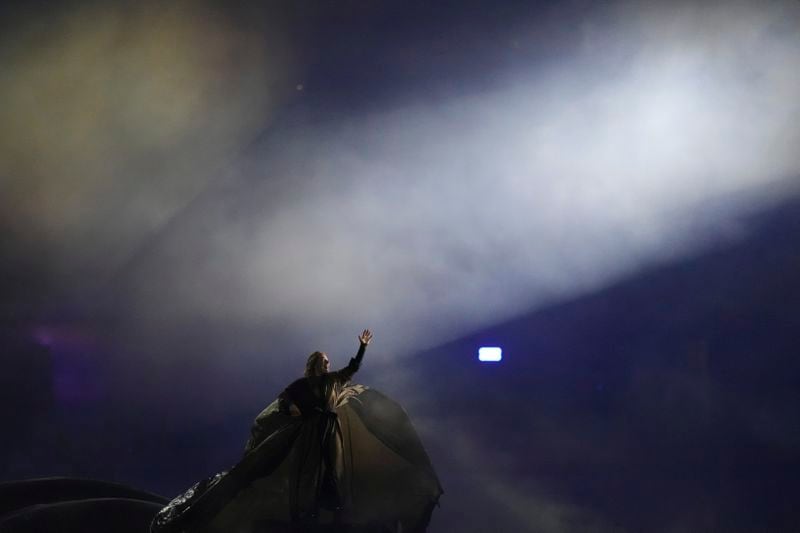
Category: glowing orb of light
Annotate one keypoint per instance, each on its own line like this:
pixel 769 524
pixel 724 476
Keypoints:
pixel 490 354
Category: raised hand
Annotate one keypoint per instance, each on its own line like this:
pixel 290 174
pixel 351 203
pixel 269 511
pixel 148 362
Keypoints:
pixel 365 337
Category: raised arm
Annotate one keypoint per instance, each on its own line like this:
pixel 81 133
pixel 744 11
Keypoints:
pixel 347 372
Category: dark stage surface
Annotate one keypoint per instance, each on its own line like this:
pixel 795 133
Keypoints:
pixel 194 198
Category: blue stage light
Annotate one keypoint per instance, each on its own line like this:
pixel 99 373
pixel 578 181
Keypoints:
pixel 490 354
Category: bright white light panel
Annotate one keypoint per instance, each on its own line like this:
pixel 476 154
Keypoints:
pixel 490 354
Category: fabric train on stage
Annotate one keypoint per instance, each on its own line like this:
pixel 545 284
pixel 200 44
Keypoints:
pixel 385 480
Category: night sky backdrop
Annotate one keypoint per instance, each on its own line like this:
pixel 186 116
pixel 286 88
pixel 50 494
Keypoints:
pixel 195 195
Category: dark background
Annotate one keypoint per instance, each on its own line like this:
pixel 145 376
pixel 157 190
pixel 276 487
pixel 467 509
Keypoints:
pixel 194 198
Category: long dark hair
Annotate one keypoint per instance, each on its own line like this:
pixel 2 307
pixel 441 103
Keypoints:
pixel 312 364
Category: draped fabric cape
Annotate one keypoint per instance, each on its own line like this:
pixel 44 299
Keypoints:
pixel 352 458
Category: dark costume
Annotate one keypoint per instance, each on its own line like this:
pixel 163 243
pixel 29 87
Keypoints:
pixel 350 461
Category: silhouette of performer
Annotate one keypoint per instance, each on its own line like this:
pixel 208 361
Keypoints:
pixel 326 455
pixel 314 398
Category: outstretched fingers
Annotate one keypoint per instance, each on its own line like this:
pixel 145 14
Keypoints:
pixel 365 337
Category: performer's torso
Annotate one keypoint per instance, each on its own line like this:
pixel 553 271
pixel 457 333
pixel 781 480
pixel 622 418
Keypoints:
pixel 314 393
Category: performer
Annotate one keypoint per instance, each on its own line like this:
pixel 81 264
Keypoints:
pixel 325 454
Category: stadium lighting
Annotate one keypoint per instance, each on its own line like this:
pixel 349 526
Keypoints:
pixel 490 354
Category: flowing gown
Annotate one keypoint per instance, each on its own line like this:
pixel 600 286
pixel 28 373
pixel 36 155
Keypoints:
pixel 351 461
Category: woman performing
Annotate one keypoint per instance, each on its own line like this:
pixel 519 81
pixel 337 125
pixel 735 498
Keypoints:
pixel 326 455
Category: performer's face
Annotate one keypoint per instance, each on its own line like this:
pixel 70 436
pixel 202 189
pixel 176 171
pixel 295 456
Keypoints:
pixel 323 364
